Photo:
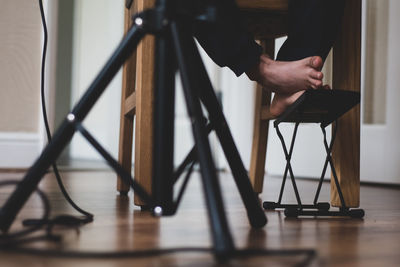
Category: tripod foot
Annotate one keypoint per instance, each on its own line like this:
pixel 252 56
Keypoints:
pixel 269 205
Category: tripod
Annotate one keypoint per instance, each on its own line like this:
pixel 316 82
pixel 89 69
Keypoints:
pixel 175 50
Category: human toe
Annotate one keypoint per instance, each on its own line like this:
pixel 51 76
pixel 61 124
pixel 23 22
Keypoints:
pixel 316 74
pixel 315 62
pixel 315 83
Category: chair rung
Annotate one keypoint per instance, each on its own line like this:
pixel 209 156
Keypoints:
pixel 130 104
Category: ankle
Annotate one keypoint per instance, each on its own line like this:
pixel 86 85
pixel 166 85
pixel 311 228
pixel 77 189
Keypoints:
pixel 257 72
pixel 254 73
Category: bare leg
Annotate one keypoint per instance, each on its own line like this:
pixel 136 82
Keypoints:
pixel 281 101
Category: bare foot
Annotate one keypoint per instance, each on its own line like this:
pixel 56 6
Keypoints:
pixel 288 77
pixel 282 101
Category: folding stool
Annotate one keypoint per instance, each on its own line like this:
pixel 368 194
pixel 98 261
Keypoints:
pixel 323 107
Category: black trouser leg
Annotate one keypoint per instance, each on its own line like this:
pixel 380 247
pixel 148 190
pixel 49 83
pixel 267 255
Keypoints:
pixel 313 25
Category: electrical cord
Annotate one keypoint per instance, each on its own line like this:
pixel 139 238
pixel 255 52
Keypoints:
pixel 11 237
pixel 33 225
pixel 239 254
pixel 88 216
pixel 13 242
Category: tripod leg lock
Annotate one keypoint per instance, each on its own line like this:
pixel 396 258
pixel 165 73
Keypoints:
pixel 152 20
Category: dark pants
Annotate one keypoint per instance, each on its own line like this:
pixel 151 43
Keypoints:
pixel 313 27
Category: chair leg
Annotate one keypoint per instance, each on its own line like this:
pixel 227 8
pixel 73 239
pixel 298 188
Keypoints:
pixel 144 110
pixel 347 76
pixel 260 132
pixel 125 150
pixel 260 138
pixel 127 110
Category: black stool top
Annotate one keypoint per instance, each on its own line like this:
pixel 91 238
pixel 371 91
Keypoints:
pixel 319 106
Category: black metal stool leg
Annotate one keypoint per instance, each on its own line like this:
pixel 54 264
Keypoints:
pixel 329 159
pixel 288 155
pixel 269 205
pixel 322 107
pixel 334 125
pixel 288 158
pixel 343 211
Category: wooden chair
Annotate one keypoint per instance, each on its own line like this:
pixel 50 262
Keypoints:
pixel 266 19
pixel 137 101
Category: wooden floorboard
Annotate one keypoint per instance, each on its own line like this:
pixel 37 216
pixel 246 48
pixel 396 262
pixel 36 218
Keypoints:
pixel 119 225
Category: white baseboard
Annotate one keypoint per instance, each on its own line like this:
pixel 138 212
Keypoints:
pixel 19 150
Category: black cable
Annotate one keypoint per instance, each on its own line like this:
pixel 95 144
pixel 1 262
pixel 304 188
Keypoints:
pixel 88 216
pixel 11 237
pixel 239 254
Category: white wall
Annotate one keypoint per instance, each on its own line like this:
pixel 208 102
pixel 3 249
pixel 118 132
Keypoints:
pixel 380 151
pixel 97 31
pixel 21 134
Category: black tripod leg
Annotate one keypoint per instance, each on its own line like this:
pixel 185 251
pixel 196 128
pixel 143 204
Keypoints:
pixel 186 51
pixel 65 132
pixel 255 213
pixel 250 200
pixel 126 176
pixel 189 159
pixel 163 131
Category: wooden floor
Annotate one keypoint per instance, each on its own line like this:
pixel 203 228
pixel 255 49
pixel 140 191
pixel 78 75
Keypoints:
pixel 119 225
